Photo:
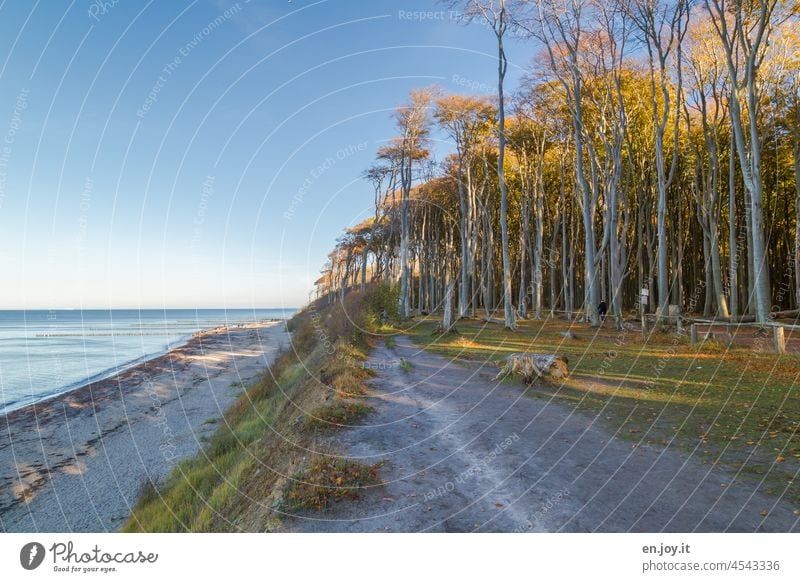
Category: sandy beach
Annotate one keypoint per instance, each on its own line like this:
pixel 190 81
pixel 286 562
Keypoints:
pixel 76 462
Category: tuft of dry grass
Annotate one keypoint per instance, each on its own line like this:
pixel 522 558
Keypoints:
pixel 330 479
pixel 340 414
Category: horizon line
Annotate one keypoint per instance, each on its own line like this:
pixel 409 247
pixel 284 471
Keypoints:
pixel 136 308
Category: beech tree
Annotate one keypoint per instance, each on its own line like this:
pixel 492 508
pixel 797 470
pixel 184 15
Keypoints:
pixel 708 84
pixel 662 25
pixel 413 122
pixel 614 164
pixel 496 14
pixel 743 29
pixel 467 121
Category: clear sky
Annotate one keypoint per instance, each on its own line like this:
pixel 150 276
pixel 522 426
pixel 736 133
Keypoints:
pixel 203 153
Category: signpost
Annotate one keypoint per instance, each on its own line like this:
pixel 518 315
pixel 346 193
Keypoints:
pixel 642 305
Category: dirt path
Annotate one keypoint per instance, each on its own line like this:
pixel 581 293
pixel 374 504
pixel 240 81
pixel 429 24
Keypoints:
pixel 465 453
pixel 78 461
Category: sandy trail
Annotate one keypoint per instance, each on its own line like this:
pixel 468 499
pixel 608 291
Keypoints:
pixel 77 462
pixel 464 453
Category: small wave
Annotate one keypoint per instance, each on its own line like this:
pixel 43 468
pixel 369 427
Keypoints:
pixel 27 400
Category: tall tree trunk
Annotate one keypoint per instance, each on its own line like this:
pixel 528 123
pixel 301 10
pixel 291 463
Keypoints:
pixel 508 306
pixel 463 294
pixel 564 269
pixel 552 262
pixel 538 210
pixel 406 186
pixel 733 267
pixel 522 299
pixel 751 279
pixel 796 153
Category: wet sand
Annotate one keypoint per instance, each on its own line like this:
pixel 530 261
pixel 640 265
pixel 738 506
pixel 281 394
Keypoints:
pixel 76 462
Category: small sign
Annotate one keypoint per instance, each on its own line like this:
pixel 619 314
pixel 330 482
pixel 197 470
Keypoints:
pixel 645 292
pixel 644 299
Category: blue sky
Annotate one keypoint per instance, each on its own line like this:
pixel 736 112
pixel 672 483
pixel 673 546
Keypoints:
pixel 203 153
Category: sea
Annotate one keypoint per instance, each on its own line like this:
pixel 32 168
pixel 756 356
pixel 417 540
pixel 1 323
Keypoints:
pixel 44 353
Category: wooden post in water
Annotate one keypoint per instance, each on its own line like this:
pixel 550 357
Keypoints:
pixel 780 340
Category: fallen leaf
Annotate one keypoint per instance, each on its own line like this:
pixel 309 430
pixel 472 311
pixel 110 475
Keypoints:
pixel 764 513
pixel 498 505
pixel 780 459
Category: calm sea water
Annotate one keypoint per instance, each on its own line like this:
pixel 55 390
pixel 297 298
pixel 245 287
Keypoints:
pixel 43 353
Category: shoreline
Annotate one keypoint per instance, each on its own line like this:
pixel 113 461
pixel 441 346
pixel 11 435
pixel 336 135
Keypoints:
pixel 96 378
pixel 115 371
pixel 76 461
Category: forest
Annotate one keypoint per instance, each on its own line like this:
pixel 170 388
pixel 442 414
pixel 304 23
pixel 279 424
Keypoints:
pixel 649 160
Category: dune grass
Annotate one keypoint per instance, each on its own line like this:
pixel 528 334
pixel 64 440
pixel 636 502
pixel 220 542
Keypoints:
pixel 240 474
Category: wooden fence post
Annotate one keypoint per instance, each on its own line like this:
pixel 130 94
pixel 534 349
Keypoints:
pixel 780 340
pixel 693 333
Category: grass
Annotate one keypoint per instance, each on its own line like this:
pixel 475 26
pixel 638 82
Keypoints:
pixel 726 405
pixel 346 374
pixel 406 366
pixel 200 490
pixel 232 484
pixel 337 415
